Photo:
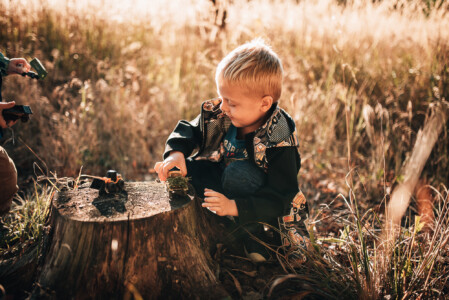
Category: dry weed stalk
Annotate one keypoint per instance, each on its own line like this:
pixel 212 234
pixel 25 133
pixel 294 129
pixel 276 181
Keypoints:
pixel 401 195
pixel 426 139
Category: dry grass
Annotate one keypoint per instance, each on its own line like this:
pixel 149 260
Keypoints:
pixel 360 264
pixel 25 222
pixel 361 77
pixel 122 75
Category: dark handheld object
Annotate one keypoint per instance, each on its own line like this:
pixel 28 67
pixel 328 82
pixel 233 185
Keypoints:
pixel 21 112
pixel 111 184
pixel 37 65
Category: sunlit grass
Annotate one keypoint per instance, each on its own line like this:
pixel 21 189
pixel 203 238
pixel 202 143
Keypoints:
pixel 359 264
pixel 24 224
pixel 121 75
pixel 360 76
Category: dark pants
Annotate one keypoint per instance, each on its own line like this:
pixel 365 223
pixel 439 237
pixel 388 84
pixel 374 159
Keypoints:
pixel 238 179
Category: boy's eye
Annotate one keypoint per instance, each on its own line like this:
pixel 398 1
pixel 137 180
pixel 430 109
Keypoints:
pixel 230 104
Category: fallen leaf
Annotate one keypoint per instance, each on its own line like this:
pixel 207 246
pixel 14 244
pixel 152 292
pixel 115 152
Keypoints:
pixel 236 282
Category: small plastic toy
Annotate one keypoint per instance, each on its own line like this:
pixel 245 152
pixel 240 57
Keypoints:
pixel 176 183
pixel 111 184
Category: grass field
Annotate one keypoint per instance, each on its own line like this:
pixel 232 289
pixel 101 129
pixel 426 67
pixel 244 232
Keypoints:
pixel 359 79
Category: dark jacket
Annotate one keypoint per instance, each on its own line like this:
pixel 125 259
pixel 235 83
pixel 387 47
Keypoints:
pixel 4 63
pixel 273 147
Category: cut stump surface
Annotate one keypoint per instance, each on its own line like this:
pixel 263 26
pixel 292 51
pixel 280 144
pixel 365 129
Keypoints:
pixel 140 200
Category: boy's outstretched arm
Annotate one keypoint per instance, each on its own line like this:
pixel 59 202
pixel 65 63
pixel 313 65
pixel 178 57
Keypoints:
pixel 185 138
pixel 180 144
pixel 219 203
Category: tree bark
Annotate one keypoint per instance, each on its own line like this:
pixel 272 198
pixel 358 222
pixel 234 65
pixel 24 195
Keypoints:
pixel 140 243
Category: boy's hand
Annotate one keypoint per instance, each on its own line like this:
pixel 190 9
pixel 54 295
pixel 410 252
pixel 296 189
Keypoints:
pixel 6 105
pixel 219 203
pixel 175 159
pixel 18 66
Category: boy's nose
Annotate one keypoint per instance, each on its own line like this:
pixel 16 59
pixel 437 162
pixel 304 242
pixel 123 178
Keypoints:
pixel 223 107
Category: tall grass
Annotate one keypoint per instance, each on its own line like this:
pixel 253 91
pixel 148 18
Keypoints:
pixel 360 264
pixel 122 75
pixel 24 224
pixel 358 76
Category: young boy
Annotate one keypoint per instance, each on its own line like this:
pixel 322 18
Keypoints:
pixel 247 160
pixel 8 173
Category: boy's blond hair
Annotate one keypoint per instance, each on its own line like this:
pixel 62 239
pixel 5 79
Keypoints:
pixel 253 65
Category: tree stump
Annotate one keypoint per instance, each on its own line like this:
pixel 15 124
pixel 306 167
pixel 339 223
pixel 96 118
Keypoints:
pixel 138 243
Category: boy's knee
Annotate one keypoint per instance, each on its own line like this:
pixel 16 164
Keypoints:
pixel 8 181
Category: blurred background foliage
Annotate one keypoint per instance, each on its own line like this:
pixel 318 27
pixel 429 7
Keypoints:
pixel 122 74
pixel 361 77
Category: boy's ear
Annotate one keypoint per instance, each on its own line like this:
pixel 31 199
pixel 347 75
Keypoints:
pixel 267 101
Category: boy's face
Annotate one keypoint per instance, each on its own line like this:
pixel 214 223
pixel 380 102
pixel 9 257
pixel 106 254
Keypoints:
pixel 246 111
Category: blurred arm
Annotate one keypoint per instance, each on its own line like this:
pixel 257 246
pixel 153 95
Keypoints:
pixel 4 65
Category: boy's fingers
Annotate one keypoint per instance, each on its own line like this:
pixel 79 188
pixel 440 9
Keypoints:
pixel 167 166
pixel 159 171
pixel 211 204
pixel 209 195
pixel 157 166
pixel 163 171
pixel 161 176
pixel 212 193
pixel 211 199
pixel 213 209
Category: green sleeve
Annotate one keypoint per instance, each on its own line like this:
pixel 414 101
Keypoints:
pixel 186 137
pixel 4 64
